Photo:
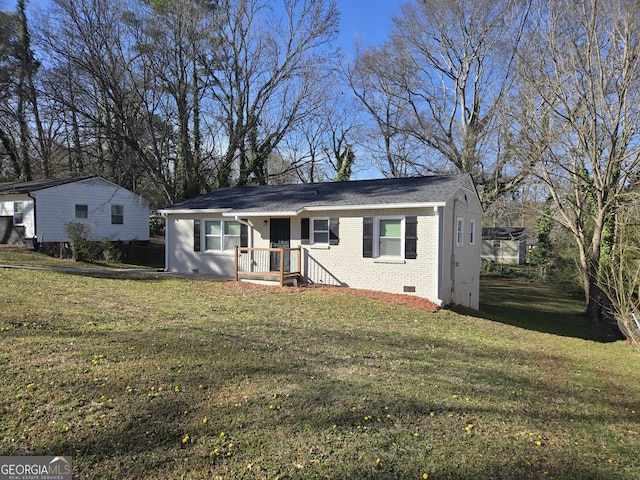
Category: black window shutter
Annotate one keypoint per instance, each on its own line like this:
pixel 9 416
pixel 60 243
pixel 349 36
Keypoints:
pixel 367 237
pixel 411 237
pixel 196 235
pixel 244 234
pixel 334 231
pixel 304 231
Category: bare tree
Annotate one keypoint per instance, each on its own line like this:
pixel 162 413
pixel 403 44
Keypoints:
pixel 578 113
pixel 620 279
pixel 171 37
pixel 323 147
pixel 113 97
pixel 27 149
pixel 442 78
pixel 374 79
pixel 262 68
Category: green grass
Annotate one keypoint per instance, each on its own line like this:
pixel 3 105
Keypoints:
pixel 540 307
pixel 140 376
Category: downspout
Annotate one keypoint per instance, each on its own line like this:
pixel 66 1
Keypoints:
pixel 440 254
pixel 166 241
pixel 36 245
pixel 454 223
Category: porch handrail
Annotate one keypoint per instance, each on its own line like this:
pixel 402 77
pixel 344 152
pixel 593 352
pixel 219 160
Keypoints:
pixel 281 274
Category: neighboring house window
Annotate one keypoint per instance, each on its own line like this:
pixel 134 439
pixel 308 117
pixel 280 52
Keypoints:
pixel 390 237
pixel 459 232
pixel 222 235
pixel 117 214
pixel 82 211
pixel 472 232
pixel 18 213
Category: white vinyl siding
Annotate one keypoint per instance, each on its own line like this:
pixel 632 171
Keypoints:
pixel 56 207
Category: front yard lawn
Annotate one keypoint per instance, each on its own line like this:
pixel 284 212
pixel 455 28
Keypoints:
pixel 145 377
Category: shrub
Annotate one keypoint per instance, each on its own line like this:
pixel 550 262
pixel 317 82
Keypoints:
pixel 79 234
pixel 156 225
pixel 83 249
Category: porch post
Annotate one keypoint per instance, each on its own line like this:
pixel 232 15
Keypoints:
pixel 299 260
pixel 235 263
pixel 281 267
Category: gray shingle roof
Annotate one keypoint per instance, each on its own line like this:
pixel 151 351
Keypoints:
pixel 293 198
pixel 9 188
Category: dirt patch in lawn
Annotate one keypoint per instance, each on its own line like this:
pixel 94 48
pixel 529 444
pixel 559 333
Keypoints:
pixel 397 298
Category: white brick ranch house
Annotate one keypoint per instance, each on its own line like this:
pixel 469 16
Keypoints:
pixel 418 235
pixel 38 211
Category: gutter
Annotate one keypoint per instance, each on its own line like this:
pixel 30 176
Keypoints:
pixel 230 212
pixel 167 211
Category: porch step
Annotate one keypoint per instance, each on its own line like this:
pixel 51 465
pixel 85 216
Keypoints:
pixel 291 279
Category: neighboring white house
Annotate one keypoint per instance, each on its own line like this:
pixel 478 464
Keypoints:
pixel 38 211
pixel 418 235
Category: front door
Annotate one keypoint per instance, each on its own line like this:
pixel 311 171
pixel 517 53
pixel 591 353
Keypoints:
pixel 280 236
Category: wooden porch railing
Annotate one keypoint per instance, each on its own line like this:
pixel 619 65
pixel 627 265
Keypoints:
pixel 280 263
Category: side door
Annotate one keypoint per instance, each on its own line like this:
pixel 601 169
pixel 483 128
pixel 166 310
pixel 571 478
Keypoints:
pixel 280 237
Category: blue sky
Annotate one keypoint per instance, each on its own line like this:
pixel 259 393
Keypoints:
pixel 368 19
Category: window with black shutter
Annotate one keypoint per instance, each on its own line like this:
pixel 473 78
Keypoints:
pixel 196 235
pixel 244 234
pixel 304 231
pixel 334 231
pixel 411 237
pixel 367 237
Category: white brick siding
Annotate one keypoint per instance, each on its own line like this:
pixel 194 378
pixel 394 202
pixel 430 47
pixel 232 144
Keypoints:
pixel 435 274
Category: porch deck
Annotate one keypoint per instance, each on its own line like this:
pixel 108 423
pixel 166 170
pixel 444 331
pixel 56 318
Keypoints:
pixel 283 265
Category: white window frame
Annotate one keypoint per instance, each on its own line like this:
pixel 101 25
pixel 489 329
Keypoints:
pixel 86 211
pixel 459 231
pixel 376 237
pixel 116 215
pixel 472 231
pixel 313 230
pixel 204 235
pixel 15 210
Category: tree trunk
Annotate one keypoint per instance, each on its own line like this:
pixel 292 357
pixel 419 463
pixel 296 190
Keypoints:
pixel 593 301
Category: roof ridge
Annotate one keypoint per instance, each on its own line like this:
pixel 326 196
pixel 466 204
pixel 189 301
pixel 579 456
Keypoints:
pixel 35 185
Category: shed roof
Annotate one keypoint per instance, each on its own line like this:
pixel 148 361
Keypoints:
pixel 504 233
pixel 11 188
pixel 433 190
